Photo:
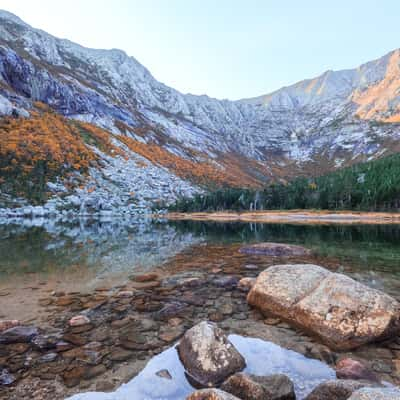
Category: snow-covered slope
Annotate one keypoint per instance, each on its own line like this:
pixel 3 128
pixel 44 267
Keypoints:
pixel 312 126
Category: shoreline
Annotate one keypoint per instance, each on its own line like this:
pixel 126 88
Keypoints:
pixel 291 217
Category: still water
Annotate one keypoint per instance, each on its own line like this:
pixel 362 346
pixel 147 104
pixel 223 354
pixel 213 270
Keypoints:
pixel 101 250
pixel 40 258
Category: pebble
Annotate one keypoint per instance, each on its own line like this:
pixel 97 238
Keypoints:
pixel 79 320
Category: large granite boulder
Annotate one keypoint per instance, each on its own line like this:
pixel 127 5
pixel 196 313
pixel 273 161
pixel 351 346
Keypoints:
pixel 252 387
pixel 211 394
pixel 376 394
pixel 342 312
pixel 208 356
pixel 275 249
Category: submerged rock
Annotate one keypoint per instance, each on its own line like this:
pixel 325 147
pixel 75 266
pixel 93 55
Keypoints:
pixel 79 320
pixel 18 334
pixel 336 390
pixel 275 249
pixel 8 323
pixel 347 368
pixel 342 312
pixel 251 387
pixel 208 356
pixel 6 378
pixel 211 394
pixel 245 284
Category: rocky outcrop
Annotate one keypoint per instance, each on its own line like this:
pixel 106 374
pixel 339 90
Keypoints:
pixel 376 394
pixel 208 356
pixel 275 250
pixel 252 387
pixel 211 394
pixel 343 313
pixel 336 390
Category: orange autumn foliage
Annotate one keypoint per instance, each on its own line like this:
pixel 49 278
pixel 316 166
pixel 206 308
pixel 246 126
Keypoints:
pixel 204 172
pixel 99 138
pixel 43 138
pixel 36 149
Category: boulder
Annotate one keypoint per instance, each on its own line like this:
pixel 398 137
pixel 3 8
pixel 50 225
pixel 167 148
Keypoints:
pixel 343 313
pixel 347 368
pixel 251 387
pixel 275 250
pixel 211 394
pixel 376 394
pixel 18 334
pixel 336 390
pixel 208 356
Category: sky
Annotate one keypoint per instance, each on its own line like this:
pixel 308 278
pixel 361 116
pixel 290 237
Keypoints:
pixel 225 48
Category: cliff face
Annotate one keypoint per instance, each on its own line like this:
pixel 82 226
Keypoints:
pixel 311 127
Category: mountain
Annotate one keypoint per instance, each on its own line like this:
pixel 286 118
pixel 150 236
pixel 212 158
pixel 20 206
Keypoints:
pixel 167 144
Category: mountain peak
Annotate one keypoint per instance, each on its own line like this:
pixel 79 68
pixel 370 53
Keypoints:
pixel 12 17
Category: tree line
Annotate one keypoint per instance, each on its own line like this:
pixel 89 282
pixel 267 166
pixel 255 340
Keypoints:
pixel 370 186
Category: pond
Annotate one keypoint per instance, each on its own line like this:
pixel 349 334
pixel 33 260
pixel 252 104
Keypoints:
pixel 50 272
pixel 88 253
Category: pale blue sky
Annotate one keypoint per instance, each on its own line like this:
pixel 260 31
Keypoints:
pixel 226 49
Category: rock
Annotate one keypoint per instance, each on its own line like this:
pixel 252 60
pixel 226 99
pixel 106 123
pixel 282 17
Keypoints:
pixel 227 282
pixel 146 285
pixel 18 334
pixel 74 375
pixel 171 335
pixel 342 312
pixel 6 378
pixel 44 342
pixel 74 339
pixel 79 320
pixel 119 354
pixel 125 294
pixel 49 357
pixel 335 390
pixel 146 277
pixel 251 387
pixel 211 394
pixel 207 355
pixel 95 371
pixel 347 368
pixel 251 267
pixel 8 323
pixel 275 249
pixel 376 394
pixel 164 373
pixel 246 284
pixel 171 310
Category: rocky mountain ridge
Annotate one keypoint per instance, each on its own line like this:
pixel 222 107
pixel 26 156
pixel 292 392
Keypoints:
pixel 316 125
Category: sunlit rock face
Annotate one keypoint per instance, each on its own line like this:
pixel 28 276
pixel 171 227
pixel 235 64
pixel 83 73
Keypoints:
pixel 208 355
pixel 318 124
pixel 342 312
